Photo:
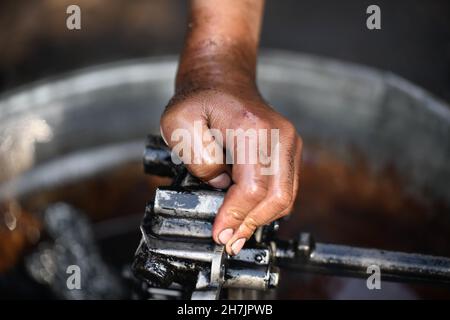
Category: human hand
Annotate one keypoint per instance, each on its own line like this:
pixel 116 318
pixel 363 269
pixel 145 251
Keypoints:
pixel 256 195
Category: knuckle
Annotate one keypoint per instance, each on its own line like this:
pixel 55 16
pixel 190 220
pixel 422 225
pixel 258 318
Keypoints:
pixel 170 118
pixel 250 223
pixel 284 213
pixel 287 211
pixel 237 214
pixel 254 192
pixel 282 199
pixel 170 112
pixel 178 111
pixel 290 131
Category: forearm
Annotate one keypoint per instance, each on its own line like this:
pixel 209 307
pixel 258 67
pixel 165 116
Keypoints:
pixel 221 44
pixel 216 89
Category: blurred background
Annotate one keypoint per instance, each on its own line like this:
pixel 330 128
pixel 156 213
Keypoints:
pixel 381 183
pixel 414 41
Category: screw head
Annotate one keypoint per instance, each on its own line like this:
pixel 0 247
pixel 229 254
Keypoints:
pixel 274 278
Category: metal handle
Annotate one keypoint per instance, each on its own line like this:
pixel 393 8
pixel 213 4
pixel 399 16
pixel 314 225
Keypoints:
pixel 305 255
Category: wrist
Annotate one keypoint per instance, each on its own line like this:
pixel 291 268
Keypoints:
pixel 217 62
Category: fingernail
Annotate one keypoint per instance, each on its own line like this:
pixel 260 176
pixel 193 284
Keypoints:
pixel 237 245
pixel 222 181
pixel 225 235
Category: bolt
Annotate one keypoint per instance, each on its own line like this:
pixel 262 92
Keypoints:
pixel 305 244
pixel 274 278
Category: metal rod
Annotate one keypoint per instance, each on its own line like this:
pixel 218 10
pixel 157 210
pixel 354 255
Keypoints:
pixel 307 256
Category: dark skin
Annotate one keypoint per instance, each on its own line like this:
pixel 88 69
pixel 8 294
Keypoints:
pixel 216 84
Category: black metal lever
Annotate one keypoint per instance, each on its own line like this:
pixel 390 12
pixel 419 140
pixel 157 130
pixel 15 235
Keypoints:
pixel 308 256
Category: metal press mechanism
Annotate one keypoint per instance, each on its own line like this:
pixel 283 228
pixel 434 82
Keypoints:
pixel 177 258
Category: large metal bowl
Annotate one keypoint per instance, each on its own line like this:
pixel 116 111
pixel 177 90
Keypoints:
pixel 62 131
pixel 106 111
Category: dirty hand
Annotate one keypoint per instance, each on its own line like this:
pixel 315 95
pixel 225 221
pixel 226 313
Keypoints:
pixel 216 97
pixel 255 197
